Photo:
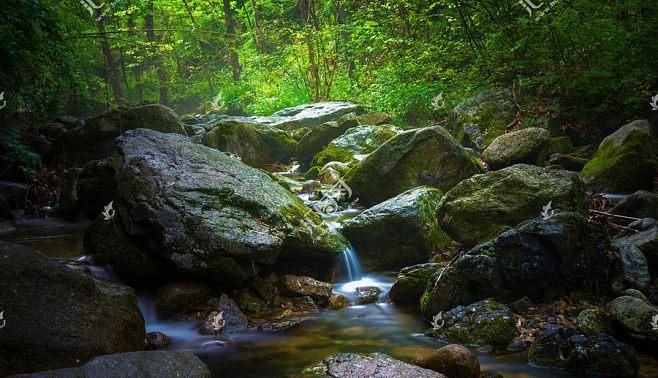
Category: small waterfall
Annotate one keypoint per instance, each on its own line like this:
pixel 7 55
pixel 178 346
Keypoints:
pixel 351 265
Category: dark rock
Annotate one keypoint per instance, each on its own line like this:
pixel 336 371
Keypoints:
pixel 355 144
pixel 256 145
pixel 375 118
pixel 96 187
pixel 398 232
pixel 646 239
pixel 453 360
pixel 633 318
pixel 300 286
pixel 279 326
pixel 483 323
pixel 520 306
pixel 338 302
pixel 367 294
pixel 179 298
pixel 95 140
pixel 625 160
pixel 568 162
pixel 134 365
pixel 5 210
pixel 631 270
pixel 56 316
pixel 349 365
pixel 411 282
pixel 594 321
pixel 540 259
pixel 267 289
pixel 109 244
pixel 525 146
pixel 156 340
pixel 427 156
pixel 14 192
pixel 210 214
pixel 304 304
pixel 479 209
pixel 233 319
pixel 561 347
pixel 641 204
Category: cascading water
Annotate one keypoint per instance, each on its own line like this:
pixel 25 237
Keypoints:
pixel 351 265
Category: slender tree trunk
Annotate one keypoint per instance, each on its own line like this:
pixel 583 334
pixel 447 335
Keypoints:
pixel 230 35
pixel 306 11
pixel 157 59
pixel 258 28
pixel 112 71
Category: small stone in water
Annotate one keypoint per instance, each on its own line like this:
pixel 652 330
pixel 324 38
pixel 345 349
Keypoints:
pixel 367 294
pixel 156 340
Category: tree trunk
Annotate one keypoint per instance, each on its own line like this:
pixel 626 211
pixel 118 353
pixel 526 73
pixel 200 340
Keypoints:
pixel 112 71
pixel 306 11
pixel 230 35
pixel 157 59
pixel 258 28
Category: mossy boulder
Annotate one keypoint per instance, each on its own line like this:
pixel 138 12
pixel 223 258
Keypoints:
pixel 645 239
pixel 625 160
pixel 427 156
pixel 485 322
pixel 631 267
pixel 641 204
pixel 95 140
pixel 210 214
pixel 320 136
pixel 257 145
pixel 479 120
pixel 454 360
pixel 540 258
pixel 398 232
pixel 411 282
pixel 354 144
pixel 478 209
pixel 56 316
pixel 570 162
pixel 109 245
pixel 561 347
pixel 527 146
pixel 560 145
pixel 594 321
pixel 633 318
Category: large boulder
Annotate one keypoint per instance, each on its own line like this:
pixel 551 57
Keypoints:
pixel 427 156
pixel 178 298
pixel 411 282
pixel 561 347
pixel 210 214
pixel 375 365
pixel 134 365
pixel 398 232
pixel 625 160
pixel 319 137
pixel 540 258
pixel 478 209
pixel 256 145
pixel 644 238
pixel 95 187
pixel 634 318
pixel 480 119
pixel 95 140
pixel 632 269
pixel 454 360
pixel 313 115
pixel 641 204
pixel 109 245
pixel 485 322
pixel 354 144
pixel 300 286
pixel 527 146
pixel 55 316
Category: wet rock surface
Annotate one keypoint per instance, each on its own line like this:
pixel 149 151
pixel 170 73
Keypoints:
pixel 376 365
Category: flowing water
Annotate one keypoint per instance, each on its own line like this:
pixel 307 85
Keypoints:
pixel 381 327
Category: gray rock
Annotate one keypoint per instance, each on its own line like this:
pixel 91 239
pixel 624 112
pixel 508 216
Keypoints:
pixel 632 270
pixel 398 232
pixel 156 340
pixel 179 298
pixel 56 316
pixel 527 146
pixel 646 239
pixel 375 365
pixel 427 156
pixel 594 321
pixel 478 209
pixel 320 136
pixel 540 258
pixel 153 364
pixel 208 213
pixel 633 317
pixel 367 294
pixel 641 204
pixel 299 286
pixel 411 282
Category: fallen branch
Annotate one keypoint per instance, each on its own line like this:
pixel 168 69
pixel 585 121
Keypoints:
pixel 614 215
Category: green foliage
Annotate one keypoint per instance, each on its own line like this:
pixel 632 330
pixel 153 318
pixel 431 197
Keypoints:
pixel 16 159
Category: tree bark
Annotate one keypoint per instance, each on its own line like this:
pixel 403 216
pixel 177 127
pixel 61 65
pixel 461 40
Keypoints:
pixel 307 15
pixel 157 59
pixel 112 71
pixel 234 60
pixel 258 28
